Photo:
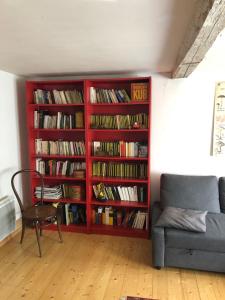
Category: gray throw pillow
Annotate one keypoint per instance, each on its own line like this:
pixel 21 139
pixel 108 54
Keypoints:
pixel 181 218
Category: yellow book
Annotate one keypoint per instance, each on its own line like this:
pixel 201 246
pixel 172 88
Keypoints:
pixel 103 218
pixel 79 119
pixel 110 217
pixel 139 92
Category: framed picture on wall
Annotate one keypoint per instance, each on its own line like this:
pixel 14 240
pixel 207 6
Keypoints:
pixel 219 120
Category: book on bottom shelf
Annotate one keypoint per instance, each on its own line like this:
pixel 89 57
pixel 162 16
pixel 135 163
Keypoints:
pixel 135 219
pixel 72 214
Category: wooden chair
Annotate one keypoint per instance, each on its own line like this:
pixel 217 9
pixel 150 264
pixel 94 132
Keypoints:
pixel 36 216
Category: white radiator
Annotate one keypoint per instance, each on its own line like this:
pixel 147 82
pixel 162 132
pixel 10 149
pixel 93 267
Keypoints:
pixel 7 217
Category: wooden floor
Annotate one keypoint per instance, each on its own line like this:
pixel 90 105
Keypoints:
pixel 96 267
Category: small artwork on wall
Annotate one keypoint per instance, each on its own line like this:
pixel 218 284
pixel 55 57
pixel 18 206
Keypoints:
pixel 219 120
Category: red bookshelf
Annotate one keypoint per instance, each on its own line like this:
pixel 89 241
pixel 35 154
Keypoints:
pixel 89 135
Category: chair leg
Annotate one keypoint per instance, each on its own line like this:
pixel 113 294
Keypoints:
pixel 38 239
pixel 23 231
pixel 40 230
pixel 59 229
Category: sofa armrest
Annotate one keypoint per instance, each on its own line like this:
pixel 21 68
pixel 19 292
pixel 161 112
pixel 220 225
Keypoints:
pixel 158 239
pixel 156 212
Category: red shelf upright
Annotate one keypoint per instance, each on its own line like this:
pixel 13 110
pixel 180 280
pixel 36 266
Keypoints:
pixel 89 135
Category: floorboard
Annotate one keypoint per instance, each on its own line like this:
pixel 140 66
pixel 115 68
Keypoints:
pixel 96 267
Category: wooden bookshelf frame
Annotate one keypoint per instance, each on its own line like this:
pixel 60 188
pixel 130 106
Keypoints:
pixel 88 135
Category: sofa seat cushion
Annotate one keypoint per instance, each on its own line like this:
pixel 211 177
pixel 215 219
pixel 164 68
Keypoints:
pixel 211 240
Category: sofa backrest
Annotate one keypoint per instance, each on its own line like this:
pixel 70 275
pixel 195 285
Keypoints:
pixel 222 193
pixel 193 192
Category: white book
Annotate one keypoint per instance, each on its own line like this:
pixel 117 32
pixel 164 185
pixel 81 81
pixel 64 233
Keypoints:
pixel 64 168
pixel 71 148
pixel 96 146
pixel 138 220
pixel 54 122
pixel 135 220
pixel 120 193
pixel 67 213
pixel 92 95
pixel 37 163
pixel 36 125
pixel 125 192
pixel 63 97
pixel 57 97
pixel 45 125
pixel 59 116
pixel 130 192
pixel 38 147
pixel 68 97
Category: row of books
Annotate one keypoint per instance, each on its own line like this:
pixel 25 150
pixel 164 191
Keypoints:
pixel 59 147
pixel 71 213
pixel 58 97
pixel 74 192
pixel 61 168
pixel 122 170
pixel 120 148
pixel 119 121
pixel 134 193
pixel 108 95
pixel 120 217
pixel 42 119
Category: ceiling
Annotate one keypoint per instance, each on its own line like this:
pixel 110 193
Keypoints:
pixel 54 37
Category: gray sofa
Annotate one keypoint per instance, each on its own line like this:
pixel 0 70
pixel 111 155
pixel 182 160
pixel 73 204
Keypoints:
pixel 187 249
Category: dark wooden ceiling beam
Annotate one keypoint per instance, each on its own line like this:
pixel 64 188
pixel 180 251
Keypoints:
pixel 207 23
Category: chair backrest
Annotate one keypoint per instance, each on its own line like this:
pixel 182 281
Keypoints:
pixel 15 191
pixel 193 192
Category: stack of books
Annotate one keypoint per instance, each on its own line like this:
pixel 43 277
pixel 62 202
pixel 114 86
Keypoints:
pixel 108 96
pixel 53 192
pixel 58 97
pixel 59 168
pixel 119 121
pixel 122 170
pixel 59 147
pixel 62 191
pixel 119 148
pixel 134 193
pixel 42 119
pixel 120 217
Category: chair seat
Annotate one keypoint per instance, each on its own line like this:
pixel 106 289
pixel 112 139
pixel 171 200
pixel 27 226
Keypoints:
pixel 41 213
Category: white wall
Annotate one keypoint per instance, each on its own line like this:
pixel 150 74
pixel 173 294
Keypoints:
pixel 182 124
pixel 11 95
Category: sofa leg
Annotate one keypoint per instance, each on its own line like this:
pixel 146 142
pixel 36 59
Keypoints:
pixel 158 268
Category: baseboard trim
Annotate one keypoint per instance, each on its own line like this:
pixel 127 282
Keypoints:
pixel 12 234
